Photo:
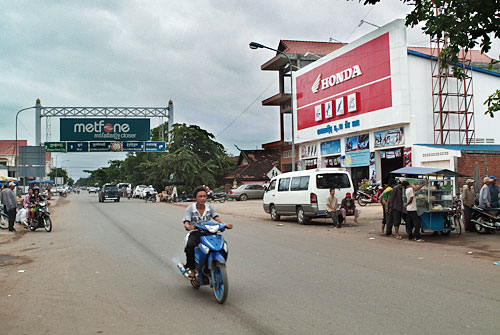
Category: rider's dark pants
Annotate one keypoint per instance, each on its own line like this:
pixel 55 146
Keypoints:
pixel 193 241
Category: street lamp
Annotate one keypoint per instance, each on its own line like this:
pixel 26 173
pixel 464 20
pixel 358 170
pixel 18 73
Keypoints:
pixel 255 45
pixel 17 154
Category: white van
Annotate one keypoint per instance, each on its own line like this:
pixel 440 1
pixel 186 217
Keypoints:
pixel 304 193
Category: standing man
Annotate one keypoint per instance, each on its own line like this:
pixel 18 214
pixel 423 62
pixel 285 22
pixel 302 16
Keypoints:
pixel 10 204
pixel 387 219
pixel 468 200
pixel 484 194
pixel 494 192
pixel 396 207
pixel 413 223
pixel 332 204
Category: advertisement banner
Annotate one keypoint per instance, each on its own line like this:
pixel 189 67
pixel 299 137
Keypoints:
pixel 355 159
pixel 104 129
pixel 309 150
pixel 360 142
pixel 407 157
pixel 389 137
pixel 373 171
pixel 330 147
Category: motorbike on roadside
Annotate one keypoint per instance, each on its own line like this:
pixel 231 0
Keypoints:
pixel 486 220
pixel 210 259
pixel 42 220
pixel 369 195
pixel 150 196
pixel 220 197
pixel 4 218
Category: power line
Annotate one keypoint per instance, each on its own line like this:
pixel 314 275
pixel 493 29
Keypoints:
pixel 356 27
pixel 246 109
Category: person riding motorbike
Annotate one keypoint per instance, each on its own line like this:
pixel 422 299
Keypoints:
pixel 197 213
pixel 149 191
pixel 26 204
pixel 34 201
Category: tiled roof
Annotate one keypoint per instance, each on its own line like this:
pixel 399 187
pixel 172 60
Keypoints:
pixel 302 47
pixel 8 147
pixel 475 55
pixel 253 165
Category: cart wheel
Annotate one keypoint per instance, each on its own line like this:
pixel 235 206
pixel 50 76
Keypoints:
pixel 445 232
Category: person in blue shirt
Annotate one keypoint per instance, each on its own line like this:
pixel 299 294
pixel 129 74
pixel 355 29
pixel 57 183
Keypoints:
pixel 494 192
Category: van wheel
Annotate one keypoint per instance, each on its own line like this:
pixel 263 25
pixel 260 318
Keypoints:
pixel 274 214
pixel 301 218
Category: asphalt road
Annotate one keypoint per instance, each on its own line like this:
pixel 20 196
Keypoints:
pixel 111 268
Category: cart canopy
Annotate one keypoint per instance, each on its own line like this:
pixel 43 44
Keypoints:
pixel 424 171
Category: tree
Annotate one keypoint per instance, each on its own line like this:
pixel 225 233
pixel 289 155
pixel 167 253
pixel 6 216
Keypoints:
pixel 60 173
pixel 465 24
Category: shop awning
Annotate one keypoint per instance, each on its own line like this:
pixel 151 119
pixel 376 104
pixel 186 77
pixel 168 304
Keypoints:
pixel 423 171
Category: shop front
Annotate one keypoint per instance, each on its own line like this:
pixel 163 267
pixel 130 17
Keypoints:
pixel 389 144
pixel 330 153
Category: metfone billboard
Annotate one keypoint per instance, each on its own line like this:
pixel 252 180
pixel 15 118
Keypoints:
pixel 104 129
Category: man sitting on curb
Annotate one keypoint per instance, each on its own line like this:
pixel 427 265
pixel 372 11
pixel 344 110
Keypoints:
pixel 348 208
pixel 332 204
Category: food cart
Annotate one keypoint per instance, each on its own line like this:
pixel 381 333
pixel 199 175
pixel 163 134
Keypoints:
pixel 436 207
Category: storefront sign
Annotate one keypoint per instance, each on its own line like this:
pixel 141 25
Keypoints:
pixel 329 129
pixel 309 150
pixel 389 137
pixel 328 110
pixel 360 142
pixel 330 147
pixel 355 159
pixel 407 157
pixel 352 103
pixel 104 129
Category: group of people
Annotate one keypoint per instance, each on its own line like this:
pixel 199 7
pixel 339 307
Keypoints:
pixel 30 204
pixel 339 214
pixel 393 206
pixel 488 198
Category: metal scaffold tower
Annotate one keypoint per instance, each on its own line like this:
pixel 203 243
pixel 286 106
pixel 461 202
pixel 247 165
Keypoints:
pixel 452 98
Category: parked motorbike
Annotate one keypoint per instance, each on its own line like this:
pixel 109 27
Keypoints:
pixel 43 218
pixel 220 197
pixel 63 194
pixel 210 258
pixel 486 220
pixel 4 218
pixel 369 195
pixel 150 196
pixel 129 195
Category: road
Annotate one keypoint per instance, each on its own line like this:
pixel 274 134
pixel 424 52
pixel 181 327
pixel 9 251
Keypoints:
pixel 111 268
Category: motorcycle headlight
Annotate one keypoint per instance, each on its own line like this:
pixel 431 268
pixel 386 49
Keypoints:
pixel 225 247
pixel 205 249
pixel 213 229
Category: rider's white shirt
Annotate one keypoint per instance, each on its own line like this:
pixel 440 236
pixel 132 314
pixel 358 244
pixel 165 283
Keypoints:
pixel 193 216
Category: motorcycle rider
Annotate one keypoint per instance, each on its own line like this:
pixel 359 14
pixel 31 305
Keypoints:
pixel 34 200
pixel 196 213
pixel 148 191
pixel 26 204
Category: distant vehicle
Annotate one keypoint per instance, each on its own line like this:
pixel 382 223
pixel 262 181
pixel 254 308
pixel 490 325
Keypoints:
pixel 247 191
pixel 137 191
pixel 121 186
pixel 109 192
pixel 92 189
pixel 151 191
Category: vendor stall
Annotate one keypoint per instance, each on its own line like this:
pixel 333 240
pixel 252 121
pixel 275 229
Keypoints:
pixel 436 207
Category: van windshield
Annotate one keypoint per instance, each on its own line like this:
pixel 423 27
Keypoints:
pixel 335 180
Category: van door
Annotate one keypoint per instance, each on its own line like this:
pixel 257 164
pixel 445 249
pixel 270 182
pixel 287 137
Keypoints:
pixel 270 195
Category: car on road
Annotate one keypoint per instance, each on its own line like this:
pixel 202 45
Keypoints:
pixel 138 190
pixel 247 191
pixel 109 192
pixel 92 189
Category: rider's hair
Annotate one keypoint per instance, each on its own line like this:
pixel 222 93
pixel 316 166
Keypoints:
pixel 198 189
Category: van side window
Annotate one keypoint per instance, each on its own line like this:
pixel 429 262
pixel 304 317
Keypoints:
pixel 284 184
pixel 335 180
pixel 300 183
pixel 272 186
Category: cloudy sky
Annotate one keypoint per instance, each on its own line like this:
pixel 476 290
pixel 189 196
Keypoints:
pixel 143 53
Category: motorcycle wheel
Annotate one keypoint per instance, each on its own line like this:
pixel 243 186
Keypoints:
pixel 153 199
pixel 458 225
pixel 220 286
pixel 222 199
pixel 195 284
pixel 363 200
pixel 32 228
pixel 47 223
pixel 4 222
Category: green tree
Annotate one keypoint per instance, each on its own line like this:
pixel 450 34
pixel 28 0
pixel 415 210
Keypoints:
pixel 465 24
pixel 60 173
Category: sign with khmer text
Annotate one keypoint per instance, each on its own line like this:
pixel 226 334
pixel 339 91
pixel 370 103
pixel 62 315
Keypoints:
pixel 104 129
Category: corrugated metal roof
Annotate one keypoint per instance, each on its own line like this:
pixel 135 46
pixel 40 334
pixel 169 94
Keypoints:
pixel 475 55
pixel 8 147
pixel 302 47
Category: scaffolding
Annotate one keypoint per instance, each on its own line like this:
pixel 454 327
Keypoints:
pixel 452 98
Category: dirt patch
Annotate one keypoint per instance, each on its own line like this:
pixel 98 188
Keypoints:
pixel 11 260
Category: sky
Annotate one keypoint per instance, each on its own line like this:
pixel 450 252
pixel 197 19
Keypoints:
pixel 144 53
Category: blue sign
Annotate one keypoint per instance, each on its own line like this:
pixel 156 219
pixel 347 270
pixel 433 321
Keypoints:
pixel 104 129
pixel 133 146
pixel 100 146
pixel 77 147
pixel 330 147
pixel 154 146
pixel 356 158
pixel 329 129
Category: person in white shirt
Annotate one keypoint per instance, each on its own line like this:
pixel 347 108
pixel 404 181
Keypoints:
pixel 413 223
pixel 484 194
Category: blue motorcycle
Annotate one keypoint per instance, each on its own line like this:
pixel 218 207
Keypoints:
pixel 210 260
